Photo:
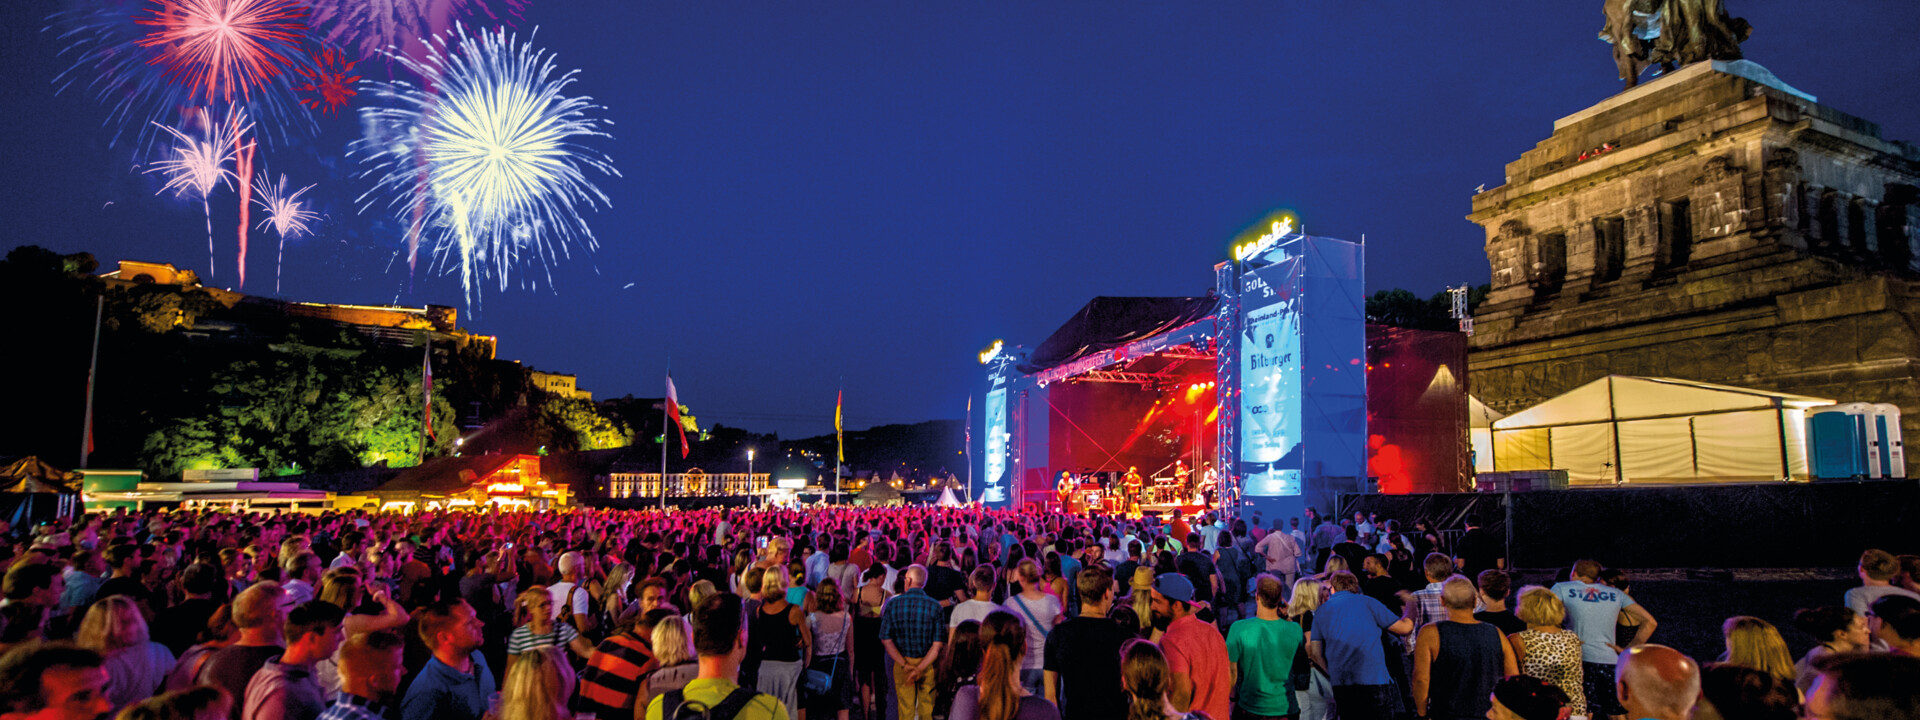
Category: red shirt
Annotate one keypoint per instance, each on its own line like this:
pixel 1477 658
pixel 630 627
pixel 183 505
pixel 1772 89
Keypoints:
pixel 1197 649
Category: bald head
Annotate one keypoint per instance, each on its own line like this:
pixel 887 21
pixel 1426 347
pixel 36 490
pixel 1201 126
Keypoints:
pixel 1656 681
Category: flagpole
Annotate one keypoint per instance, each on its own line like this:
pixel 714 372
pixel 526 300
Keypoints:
pixel 426 399
pixel 967 443
pixel 93 366
pixel 663 442
pixel 840 442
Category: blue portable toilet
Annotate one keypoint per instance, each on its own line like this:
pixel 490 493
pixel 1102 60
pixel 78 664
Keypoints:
pixel 1837 442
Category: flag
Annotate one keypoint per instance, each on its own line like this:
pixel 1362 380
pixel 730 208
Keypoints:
pixel 840 453
pixel 673 416
pixel 426 390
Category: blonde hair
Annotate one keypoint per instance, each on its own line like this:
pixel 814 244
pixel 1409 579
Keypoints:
pixel 114 624
pixel 1539 606
pixel 537 686
pixel 1335 563
pixel 1306 597
pixel 341 586
pixel 1754 643
pixel 771 585
pixel 1148 679
pixel 1029 572
pixel 673 642
pixel 523 605
pixel 698 592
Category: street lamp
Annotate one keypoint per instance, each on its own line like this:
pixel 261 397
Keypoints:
pixel 749 470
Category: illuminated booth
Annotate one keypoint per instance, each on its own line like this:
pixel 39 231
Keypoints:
pixel 1266 372
pixel 509 482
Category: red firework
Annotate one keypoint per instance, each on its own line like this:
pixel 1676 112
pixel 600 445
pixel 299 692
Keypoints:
pixel 221 46
pixel 329 80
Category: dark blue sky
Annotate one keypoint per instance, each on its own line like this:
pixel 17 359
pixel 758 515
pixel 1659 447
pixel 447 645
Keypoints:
pixel 873 191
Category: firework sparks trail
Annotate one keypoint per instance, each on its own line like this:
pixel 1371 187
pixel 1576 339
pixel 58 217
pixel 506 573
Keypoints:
pixel 286 214
pixel 374 27
pixel 220 46
pixel 329 80
pixel 504 173
pixel 243 169
pixel 200 164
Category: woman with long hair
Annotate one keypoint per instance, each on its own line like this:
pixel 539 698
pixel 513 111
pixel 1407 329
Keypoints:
pixel 1755 643
pixel 831 627
pixel 613 600
pixel 136 666
pixel 1839 630
pixel 673 649
pixel 870 663
pixel 998 693
pixel 538 686
pixel 1147 679
pixel 536 628
pixel 1041 612
pixel 959 664
pixel 201 702
pixel 777 636
pixel 1312 687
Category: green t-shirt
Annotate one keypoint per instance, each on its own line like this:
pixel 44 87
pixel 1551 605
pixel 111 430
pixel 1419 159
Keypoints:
pixel 710 691
pixel 1263 650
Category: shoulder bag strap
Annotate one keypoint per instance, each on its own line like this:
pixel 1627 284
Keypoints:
pixel 730 707
pixel 1022 602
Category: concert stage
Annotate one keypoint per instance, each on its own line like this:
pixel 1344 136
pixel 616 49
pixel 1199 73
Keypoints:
pixel 1263 379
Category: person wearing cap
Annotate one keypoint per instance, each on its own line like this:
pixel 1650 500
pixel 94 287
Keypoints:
pixel 1523 697
pixel 1346 644
pixel 1196 651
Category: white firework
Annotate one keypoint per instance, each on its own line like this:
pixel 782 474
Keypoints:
pixel 199 164
pixel 482 161
pixel 286 214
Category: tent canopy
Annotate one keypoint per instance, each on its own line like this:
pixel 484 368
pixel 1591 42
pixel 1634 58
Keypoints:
pixel 1626 397
pixel 1657 430
pixel 1110 322
pixel 30 474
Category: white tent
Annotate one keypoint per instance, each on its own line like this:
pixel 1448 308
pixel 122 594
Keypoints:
pixel 1480 432
pixel 947 499
pixel 1658 430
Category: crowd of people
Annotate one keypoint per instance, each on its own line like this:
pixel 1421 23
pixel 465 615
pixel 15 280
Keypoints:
pixel 917 612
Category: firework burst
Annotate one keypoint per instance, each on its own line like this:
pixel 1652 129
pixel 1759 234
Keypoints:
pixel 286 214
pixel 222 46
pixel 373 27
pixel 483 162
pixel 199 164
pixel 120 55
pixel 329 82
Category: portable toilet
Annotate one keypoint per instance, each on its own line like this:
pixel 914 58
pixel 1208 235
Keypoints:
pixel 1893 457
pixel 1837 442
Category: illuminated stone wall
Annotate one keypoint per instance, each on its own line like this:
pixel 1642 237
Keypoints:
pixel 1712 225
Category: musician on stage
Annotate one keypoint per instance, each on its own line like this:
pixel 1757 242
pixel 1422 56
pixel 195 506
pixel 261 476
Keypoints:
pixel 1182 479
pixel 1209 485
pixel 1065 490
pixel 1131 484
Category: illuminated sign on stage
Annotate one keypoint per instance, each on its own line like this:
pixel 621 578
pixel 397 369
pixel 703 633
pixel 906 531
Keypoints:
pixel 1281 228
pixel 1270 370
pixel 994 489
pixel 505 488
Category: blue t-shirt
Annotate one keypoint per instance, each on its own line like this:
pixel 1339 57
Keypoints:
pixel 1592 611
pixel 1349 623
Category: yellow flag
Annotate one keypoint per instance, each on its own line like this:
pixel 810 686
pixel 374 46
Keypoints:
pixel 840 454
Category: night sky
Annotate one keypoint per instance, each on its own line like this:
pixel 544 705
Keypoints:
pixel 867 193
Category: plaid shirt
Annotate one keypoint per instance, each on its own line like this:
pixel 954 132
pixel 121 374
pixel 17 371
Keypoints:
pixel 347 706
pixel 912 621
pixel 1425 610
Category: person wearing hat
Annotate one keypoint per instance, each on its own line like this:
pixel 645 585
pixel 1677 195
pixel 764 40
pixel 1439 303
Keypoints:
pixel 1523 697
pixel 1196 651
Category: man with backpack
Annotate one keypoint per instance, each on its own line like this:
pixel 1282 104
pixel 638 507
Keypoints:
pixel 719 636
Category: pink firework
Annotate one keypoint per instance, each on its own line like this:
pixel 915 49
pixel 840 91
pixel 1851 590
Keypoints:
pixel 329 82
pixel 222 46
pixel 286 213
pixel 377 27
pixel 199 164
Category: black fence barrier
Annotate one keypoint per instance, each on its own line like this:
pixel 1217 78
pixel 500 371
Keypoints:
pixel 1773 525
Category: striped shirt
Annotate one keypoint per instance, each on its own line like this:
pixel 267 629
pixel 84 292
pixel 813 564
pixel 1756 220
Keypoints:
pixel 349 706
pixel 524 641
pixel 612 679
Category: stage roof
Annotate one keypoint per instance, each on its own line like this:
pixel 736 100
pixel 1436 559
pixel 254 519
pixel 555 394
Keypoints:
pixel 1110 322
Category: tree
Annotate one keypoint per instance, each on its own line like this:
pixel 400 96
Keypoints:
pixel 1401 308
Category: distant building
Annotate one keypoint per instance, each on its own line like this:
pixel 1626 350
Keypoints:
pixel 560 385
